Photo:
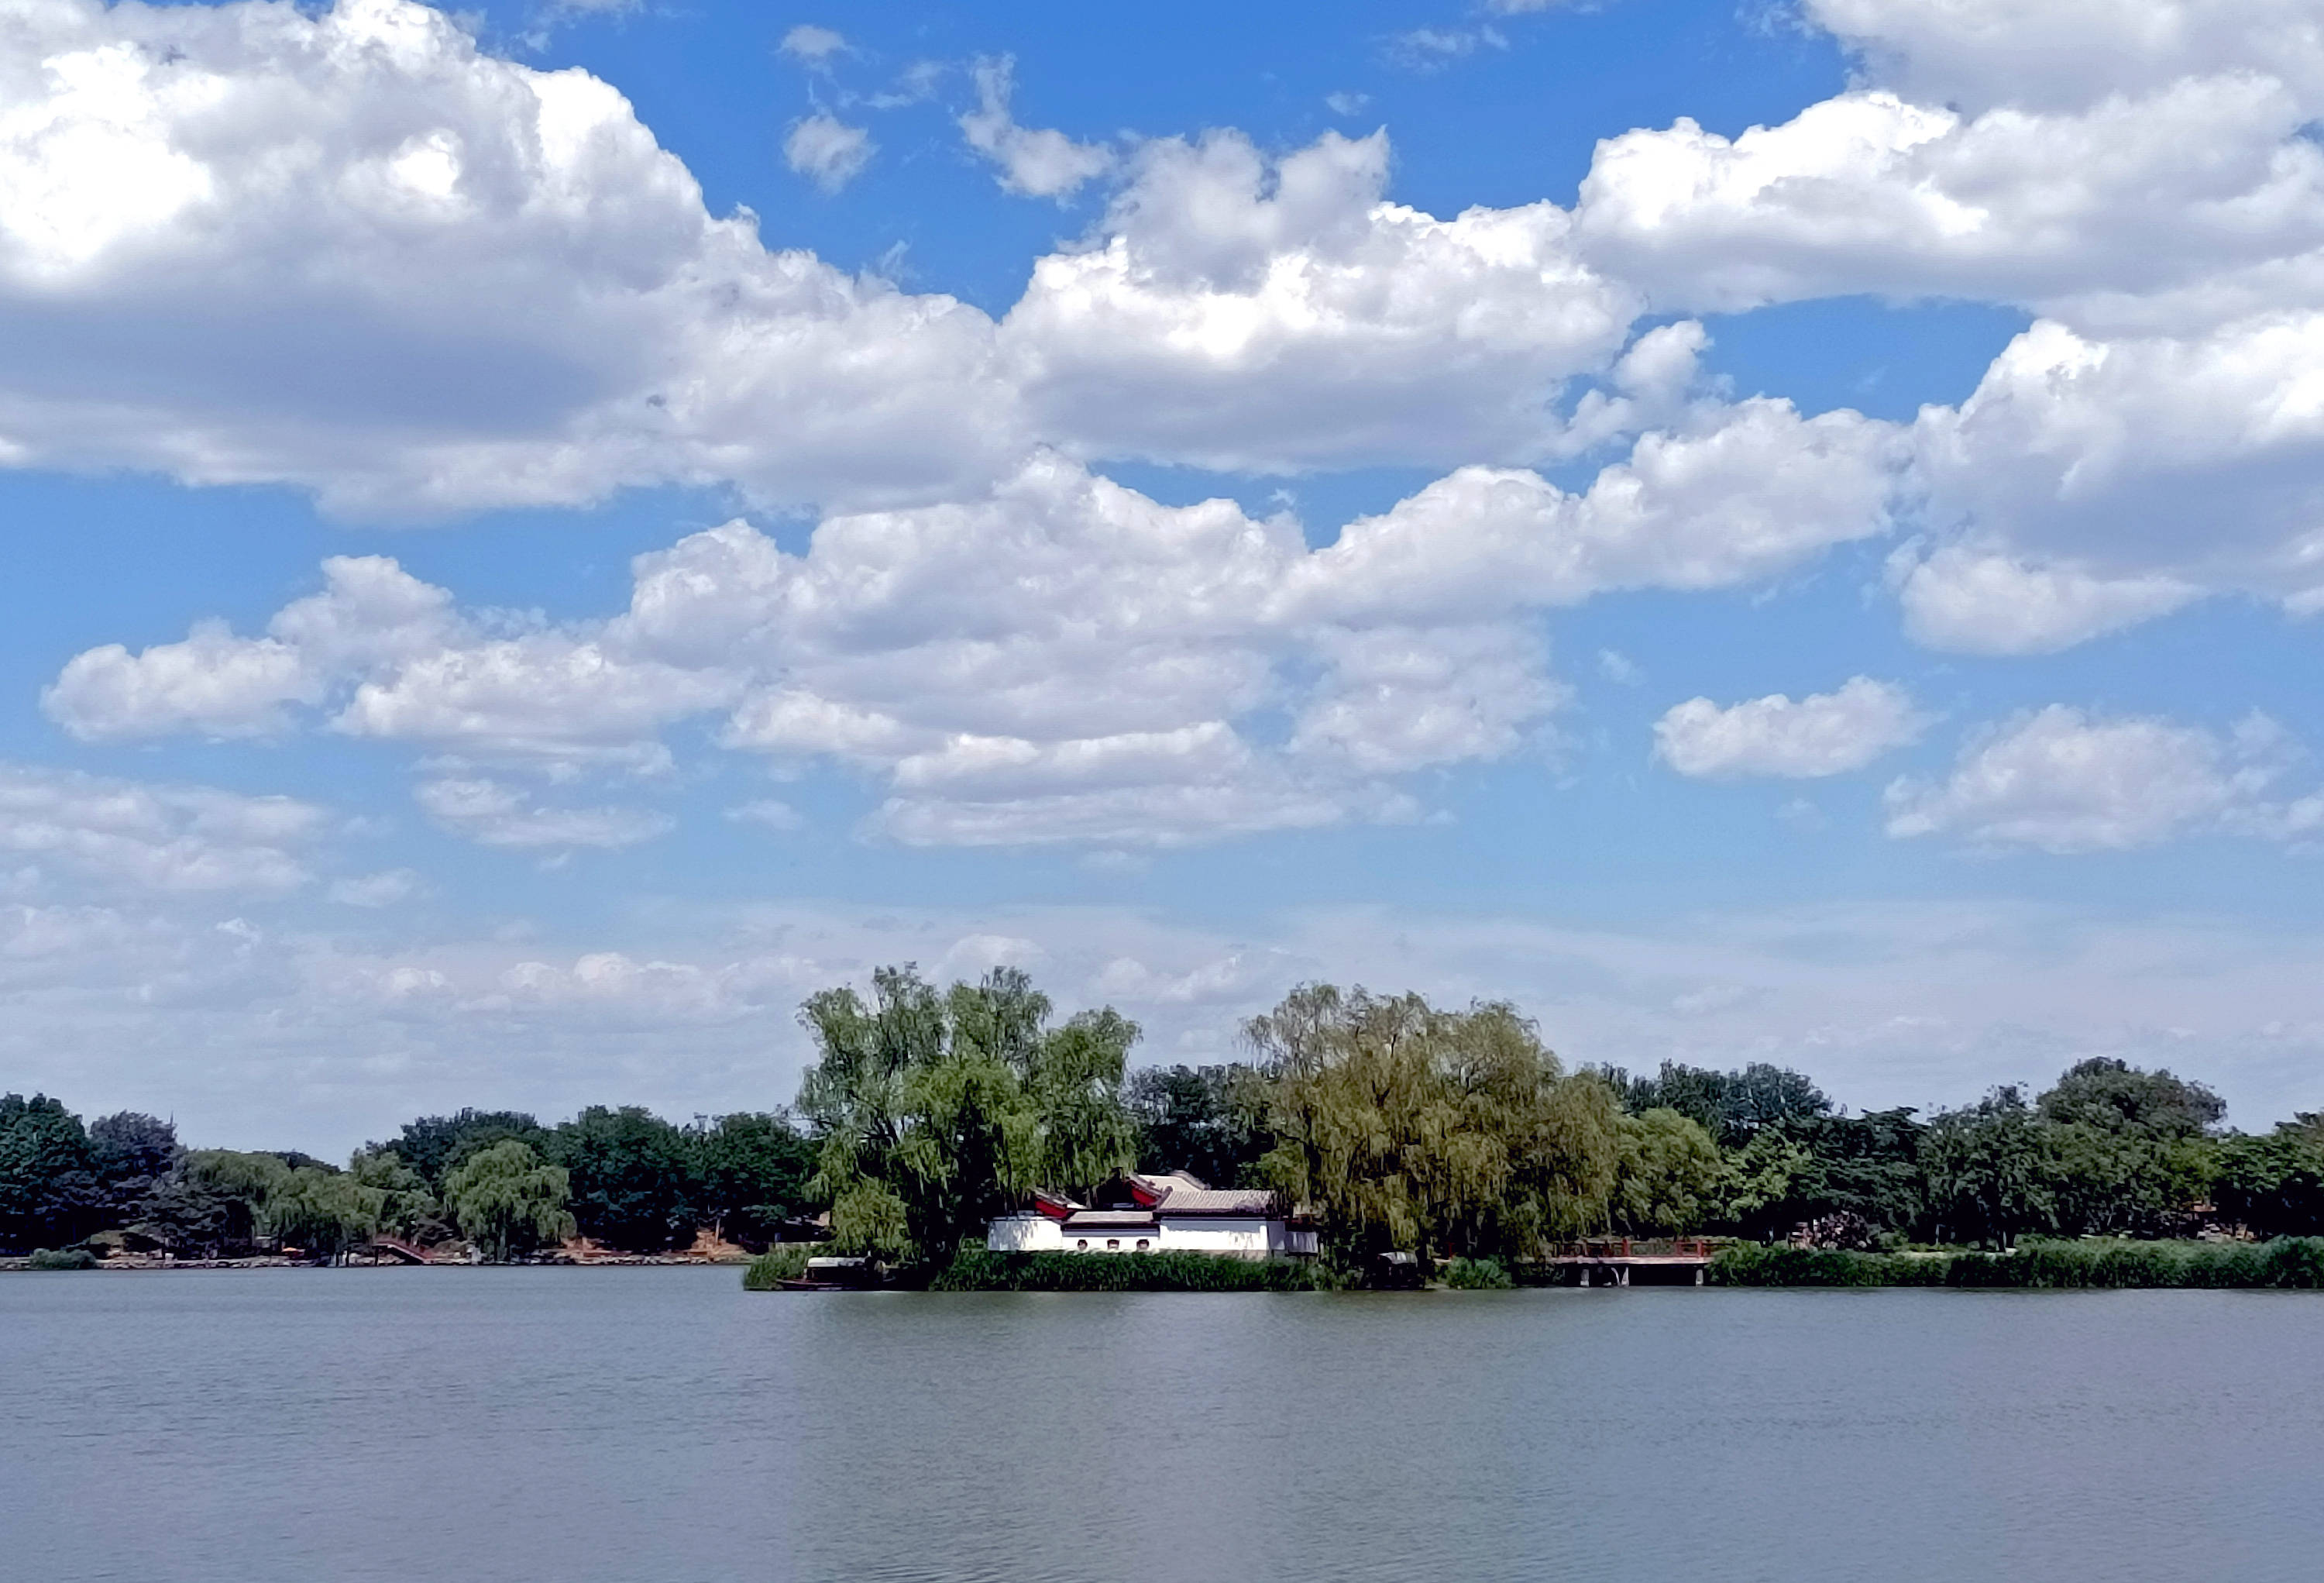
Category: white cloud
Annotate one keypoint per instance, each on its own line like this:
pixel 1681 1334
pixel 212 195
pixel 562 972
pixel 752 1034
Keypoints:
pixel 2197 462
pixel 1242 312
pixel 1431 49
pixel 1737 495
pixel 390 656
pixel 2066 53
pixel 2061 781
pixel 828 151
pixel 155 837
pixel 812 44
pixel 1992 604
pixel 384 889
pixel 498 815
pixel 1823 733
pixel 1036 162
pixel 1061 660
pixel 542 310
pixel 1867 192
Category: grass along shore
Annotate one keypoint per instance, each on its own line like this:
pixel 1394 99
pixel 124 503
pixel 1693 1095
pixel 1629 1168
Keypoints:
pixel 2287 1264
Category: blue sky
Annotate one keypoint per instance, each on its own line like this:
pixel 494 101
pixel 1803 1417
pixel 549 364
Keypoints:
pixel 539 537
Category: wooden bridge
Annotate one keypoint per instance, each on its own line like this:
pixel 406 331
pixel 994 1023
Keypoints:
pixel 1614 1261
pixel 394 1249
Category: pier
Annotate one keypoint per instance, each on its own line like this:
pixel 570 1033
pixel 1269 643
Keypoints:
pixel 1619 1261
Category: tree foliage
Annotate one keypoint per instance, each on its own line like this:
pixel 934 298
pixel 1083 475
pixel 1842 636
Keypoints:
pixel 1405 1128
pixel 1208 1121
pixel 50 1192
pixel 932 1113
pixel 508 1201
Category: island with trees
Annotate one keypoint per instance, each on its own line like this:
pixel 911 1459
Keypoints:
pixel 1451 1141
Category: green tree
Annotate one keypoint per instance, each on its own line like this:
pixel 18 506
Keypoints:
pixel 944 1110
pixel 507 1202
pixel 2113 1096
pixel 1210 1121
pixel 633 1177
pixel 1766 1185
pixel 131 1154
pixel 1404 1127
pixel 1730 1105
pixel 49 1194
pixel 1992 1170
pixel 2272 1185
pixel 433 1144
pixel 1669 1179
pixel 407 1208
pixel 321 1213
pixel 751 1169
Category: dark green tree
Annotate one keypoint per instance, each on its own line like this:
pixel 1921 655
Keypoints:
pixel 2113 1096
pixel 433 1144
pixel 50 1192
pixel 2272 1185
pixel 751 1171
pixel 1209 1121
pixel 1992 1170
pixel 1730 1105
pixel 632 1177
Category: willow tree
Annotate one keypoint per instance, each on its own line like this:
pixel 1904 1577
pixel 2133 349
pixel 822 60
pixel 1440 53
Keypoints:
pixel 322 1212
pixel 507 1202
pixel 935 1112
pixel 1403 1126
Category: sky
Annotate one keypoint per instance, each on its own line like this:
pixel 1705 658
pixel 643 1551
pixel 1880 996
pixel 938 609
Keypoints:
pixel 537 536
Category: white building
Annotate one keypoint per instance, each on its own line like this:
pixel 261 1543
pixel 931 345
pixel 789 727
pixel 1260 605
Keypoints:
pixel 1155 1213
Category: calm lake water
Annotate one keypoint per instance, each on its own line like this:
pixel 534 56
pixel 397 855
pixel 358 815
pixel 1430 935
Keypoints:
pixel 662 1426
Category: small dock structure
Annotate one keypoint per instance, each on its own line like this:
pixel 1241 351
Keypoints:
pixel 1621 1261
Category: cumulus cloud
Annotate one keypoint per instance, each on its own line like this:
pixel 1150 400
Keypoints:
pixel 156 837
pixel 392 659
pixel 2072 53
pixel 2061 781
pixel 1037 162
pixel 1823 733
pixel 2166 460
pixel 1062 660
pixel 828 151
pixel 1245 312
pixel 1868 192
pixel 540 309
pixel 1997 604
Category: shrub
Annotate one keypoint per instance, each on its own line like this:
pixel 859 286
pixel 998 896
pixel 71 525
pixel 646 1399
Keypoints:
pixel 1478 1275
pixel 786 1261
pixel 981 1269
pixel 2287 1263
pixel 72 1258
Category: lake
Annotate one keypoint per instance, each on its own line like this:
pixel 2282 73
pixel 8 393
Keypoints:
pixel 663 1426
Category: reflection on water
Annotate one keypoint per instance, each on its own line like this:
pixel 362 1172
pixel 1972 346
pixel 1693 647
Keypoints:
pixel 661 1425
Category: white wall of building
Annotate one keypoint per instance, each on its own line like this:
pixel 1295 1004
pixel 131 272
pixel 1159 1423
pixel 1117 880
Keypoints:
pixel 1029 1232
pixel 1250 1237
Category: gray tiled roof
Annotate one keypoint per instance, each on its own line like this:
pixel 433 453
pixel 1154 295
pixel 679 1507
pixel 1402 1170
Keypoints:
pixel 1216 1201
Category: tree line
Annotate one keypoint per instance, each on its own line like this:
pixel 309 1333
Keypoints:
pixel 1394 1124
pixel 498 1180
